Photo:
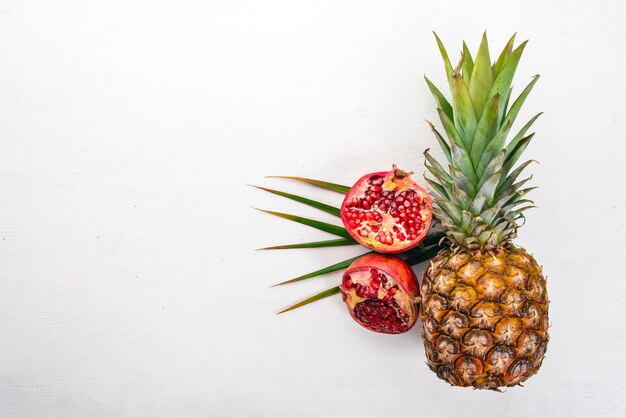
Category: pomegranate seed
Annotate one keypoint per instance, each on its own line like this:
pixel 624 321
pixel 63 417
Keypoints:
pixel 348 283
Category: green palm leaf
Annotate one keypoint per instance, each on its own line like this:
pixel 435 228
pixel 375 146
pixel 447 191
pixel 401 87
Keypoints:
pixel 316 244
pixel 323 184
pixel 322 226
pixel 313 203
pixel 321 295
pixel 423 255
pixel 334 267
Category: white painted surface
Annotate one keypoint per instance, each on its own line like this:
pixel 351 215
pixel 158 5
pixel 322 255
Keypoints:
pixel 129 130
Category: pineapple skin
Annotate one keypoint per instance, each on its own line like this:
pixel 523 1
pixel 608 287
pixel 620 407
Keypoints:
pixel 484 316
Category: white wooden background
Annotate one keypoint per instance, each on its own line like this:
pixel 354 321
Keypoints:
pixel 128 133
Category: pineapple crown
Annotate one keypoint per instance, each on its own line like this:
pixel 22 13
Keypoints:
pixel 478 198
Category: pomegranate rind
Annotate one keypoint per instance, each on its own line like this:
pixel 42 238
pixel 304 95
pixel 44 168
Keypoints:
pixel 400 275
pixel 375 233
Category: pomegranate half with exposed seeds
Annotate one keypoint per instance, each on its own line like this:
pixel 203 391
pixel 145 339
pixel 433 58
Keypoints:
pixel 381 293
pixel 387 211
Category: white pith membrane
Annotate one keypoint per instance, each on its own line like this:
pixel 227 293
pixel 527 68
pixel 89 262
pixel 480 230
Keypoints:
pixel 377 301
pixel 387 210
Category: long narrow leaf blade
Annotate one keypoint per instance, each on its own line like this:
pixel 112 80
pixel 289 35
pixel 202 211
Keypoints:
pixel 468 65
pixel 433 238
pixel 316 244
pixel 482 78
pixel 337 266
pixel 322 226
pixel 323 184
pixel 424 255
pixel 440 99
pixel 313 203
pixel 465 118
pixel 497 67
pixel 314 298
pixel 442 142
pixel 444 54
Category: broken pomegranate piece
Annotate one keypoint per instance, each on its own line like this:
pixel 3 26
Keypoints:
pixel 381 293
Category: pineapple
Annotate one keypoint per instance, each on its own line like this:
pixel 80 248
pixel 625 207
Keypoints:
pixel 485 305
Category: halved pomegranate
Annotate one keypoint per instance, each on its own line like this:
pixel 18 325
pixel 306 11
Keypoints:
pixel 387 211
pixel 381 293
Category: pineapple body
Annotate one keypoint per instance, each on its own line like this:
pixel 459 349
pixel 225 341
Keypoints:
pixel 485 305
pixel 485 317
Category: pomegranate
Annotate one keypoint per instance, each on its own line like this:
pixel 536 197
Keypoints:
pixel 387 211
pixel 381 293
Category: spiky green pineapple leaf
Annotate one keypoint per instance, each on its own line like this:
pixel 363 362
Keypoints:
pixel 440 99
pixel 461 159
pixel 518 196
pixel 326 293
pixel 507 181
pixel 322 226
pixel 437 190
pixel 468 65
pixel 521 133
pixel 494 165
pixel 449 128
pixel 502 83
pixel 442 142
pixel 444 54
pixel 508 48
pixel 315 244
pixel 511 115
pixel 489 187
pixel 506 105
pixel 329 269
pixel 464 114
pixel 437 170
pixel 339 188
pixel 487 127
pixel 513 155
pixel 497 143
pixel 482 79
pixel 461 182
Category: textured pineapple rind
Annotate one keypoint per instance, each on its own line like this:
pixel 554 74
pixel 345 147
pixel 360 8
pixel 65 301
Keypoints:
pixel 484 316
